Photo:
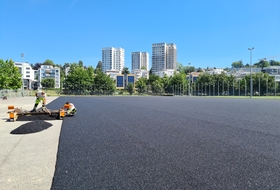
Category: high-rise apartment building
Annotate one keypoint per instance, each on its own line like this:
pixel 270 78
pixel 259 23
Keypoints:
pixel 171 58
pixel 139 60
pixel 112 59
pixel 164 57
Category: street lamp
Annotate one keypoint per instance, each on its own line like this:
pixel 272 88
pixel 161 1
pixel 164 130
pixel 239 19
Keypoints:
pixel 22 89
pixel 189 78
pixel 251 83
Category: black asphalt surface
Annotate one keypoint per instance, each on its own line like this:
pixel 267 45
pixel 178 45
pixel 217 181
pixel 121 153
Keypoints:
pixel 169 143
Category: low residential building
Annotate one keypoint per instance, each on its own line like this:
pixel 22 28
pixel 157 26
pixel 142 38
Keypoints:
pixel 48 71
pixel 123 80
pixel 215 71
pixel 193 76
pixel 240 73
pixel 167 72
pixel 27 72
pixel 113 73
pixel 139 73
pixel 273 71
pixel 67 69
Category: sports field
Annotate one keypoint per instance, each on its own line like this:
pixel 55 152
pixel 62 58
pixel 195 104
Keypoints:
pixel 169 143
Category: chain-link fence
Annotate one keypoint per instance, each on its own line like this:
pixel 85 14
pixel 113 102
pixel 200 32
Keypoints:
pixel 260 88
pixel 14 93
pixel 87 90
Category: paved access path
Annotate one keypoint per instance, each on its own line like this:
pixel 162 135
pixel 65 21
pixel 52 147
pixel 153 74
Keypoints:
pixel 28 148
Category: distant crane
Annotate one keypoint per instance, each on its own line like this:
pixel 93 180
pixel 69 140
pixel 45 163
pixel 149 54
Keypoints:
pixel 267 58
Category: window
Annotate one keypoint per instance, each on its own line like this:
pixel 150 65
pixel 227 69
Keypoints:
pixel 120 81
pixel 130 79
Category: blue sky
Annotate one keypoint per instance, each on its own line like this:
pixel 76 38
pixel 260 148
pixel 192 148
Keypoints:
pixel 208 33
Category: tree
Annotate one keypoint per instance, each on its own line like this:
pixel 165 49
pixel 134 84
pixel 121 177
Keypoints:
pixel 205 78
pixel 152 78
pixel 263 63
pixel 237 64
pixel 274 63
pixel 189 69
pixel 63 73
pixel 180 67
pixel 36 66
pixel 48 83
pixel 247 65
pixel 266 82
pixel 130 88
pixel 141 85
pixel 10 77
pixel 125 71
pixel 79 78
pixel 81 63
pixel 98 67
pixel 157 86
pixel 226 69
pixel 166 81
pixel 144 68
pixel 66 65
pixel 219 81
pixel 179 81
pixel 49 62
pixel 199 69
pixel 103 82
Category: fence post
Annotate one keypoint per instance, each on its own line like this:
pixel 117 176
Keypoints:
pixel 259 86
pixel 274 88
pixel 245 88
pixel 218 88
pixel 266 87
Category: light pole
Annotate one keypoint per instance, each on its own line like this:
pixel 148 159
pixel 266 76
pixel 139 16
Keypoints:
pixel 22 89
pixel 189 78
pixel 22 55
pixel 251 83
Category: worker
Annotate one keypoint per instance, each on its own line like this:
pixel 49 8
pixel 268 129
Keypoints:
pixel 71 109
pixel 40 97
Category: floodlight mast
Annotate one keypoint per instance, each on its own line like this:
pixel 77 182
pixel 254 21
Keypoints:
pixel 251 83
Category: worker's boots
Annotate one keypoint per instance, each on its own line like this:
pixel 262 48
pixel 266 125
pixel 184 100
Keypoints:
pixel 74 111
pixel 44 109
pixel 33 110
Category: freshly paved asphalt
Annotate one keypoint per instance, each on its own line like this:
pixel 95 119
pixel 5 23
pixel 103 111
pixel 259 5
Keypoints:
pixel 168 143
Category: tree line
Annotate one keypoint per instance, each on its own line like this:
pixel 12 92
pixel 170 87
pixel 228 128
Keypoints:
pixel 261 64
pixel 88 80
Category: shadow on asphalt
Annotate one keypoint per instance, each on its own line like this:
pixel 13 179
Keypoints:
pixel 34 117
pixel 37 117
pixel 31 127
